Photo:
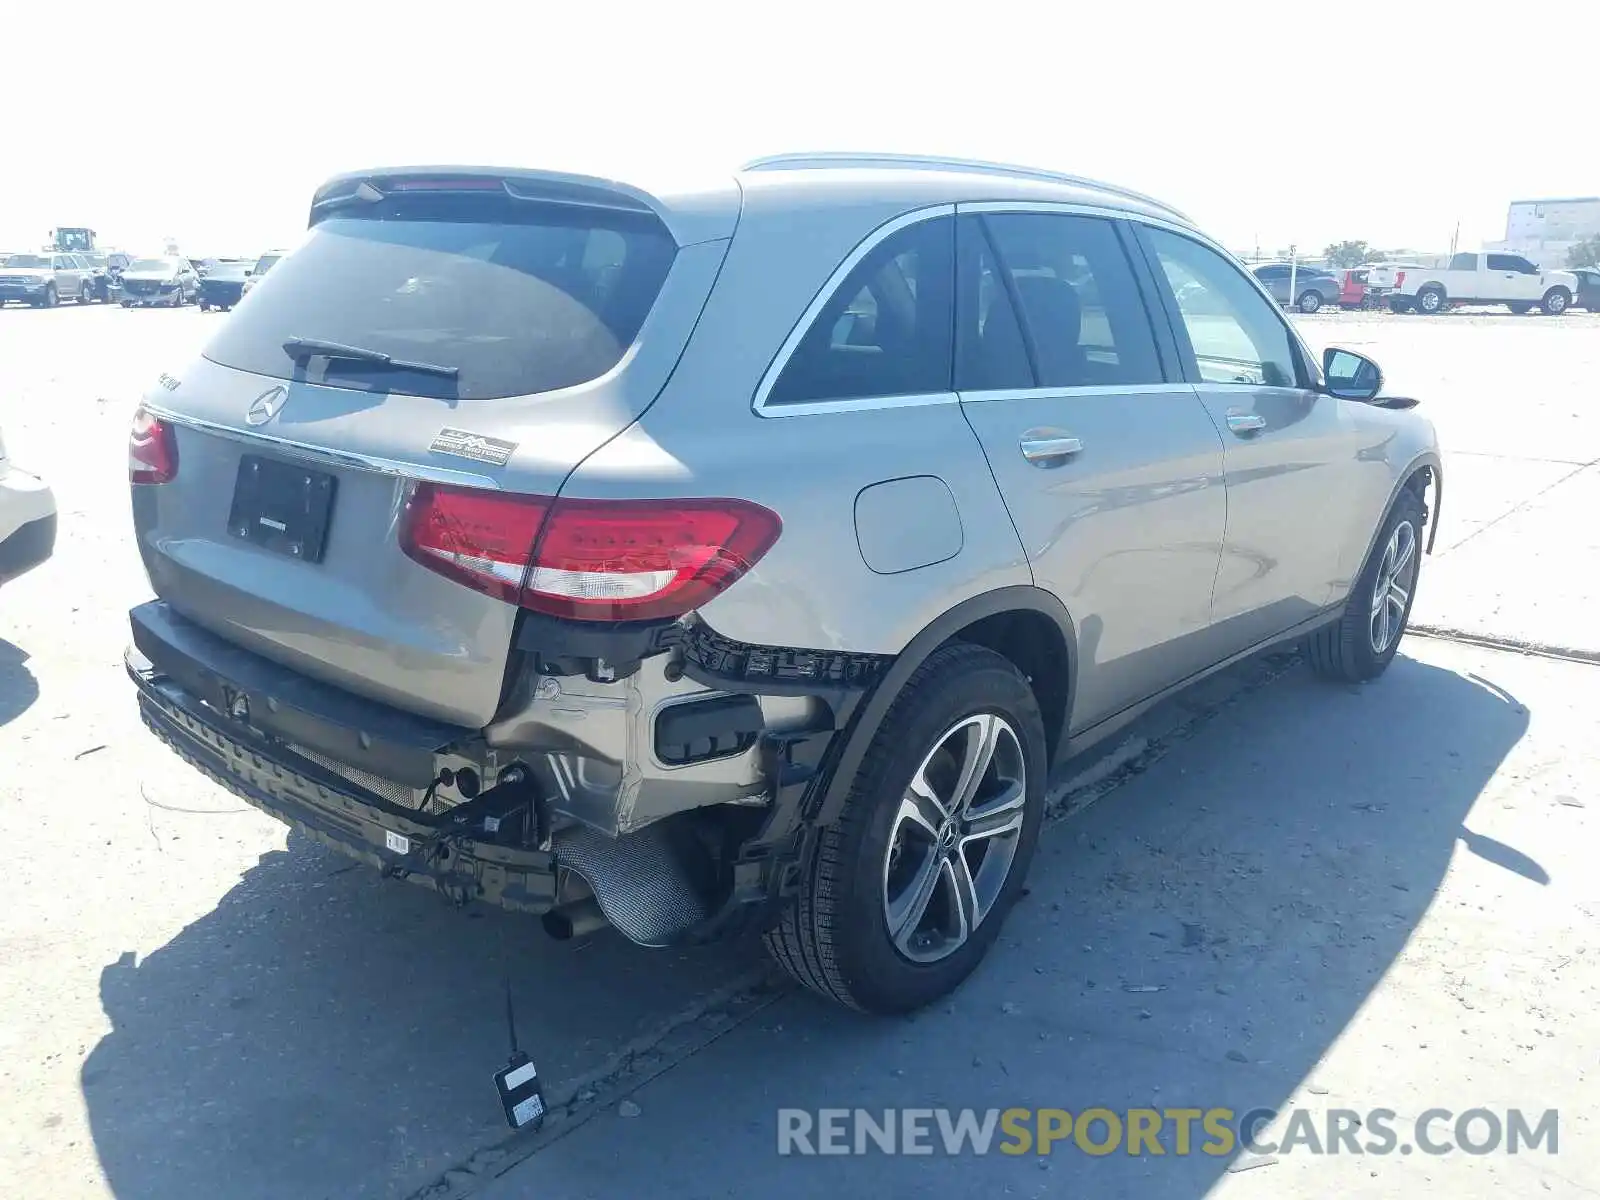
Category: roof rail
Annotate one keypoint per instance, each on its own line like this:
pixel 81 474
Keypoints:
pixel 824 159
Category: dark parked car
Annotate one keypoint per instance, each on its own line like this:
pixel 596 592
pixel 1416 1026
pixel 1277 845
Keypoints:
pixel 108 269
pixel 1588 297
pixel 223 286
pixel 1313 287
pixel 168 281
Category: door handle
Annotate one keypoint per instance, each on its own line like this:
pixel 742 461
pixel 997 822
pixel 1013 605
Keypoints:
pixel 1242 422
pixel 1044 446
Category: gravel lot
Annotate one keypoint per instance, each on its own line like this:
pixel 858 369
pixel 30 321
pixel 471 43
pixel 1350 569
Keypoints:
pixel 1380 896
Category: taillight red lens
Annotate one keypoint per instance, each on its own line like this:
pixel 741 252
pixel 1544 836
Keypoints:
pixel 482 539
pixel 595 560
pixel 152 450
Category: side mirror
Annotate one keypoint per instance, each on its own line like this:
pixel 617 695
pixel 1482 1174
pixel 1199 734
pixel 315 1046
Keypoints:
pixel 1349 375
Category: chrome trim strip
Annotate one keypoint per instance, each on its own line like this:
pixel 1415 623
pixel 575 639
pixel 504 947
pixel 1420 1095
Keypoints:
pixel 1067 393
pixel 818 302
pixel 861 404
pixel 342 458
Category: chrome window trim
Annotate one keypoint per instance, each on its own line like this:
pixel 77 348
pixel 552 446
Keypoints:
pixel 840 273
pixel 322 454
pixel 1080 389
pixel 813 407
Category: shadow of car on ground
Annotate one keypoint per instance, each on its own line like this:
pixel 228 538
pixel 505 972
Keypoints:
pixel 321 1034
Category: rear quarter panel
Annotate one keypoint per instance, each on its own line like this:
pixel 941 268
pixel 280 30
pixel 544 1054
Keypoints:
pixel 813 589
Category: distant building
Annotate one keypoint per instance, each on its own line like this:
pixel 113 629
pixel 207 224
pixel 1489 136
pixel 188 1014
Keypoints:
pixel 1542 231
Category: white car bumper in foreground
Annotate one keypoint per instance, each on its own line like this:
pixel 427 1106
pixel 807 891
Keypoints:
pixel 27 521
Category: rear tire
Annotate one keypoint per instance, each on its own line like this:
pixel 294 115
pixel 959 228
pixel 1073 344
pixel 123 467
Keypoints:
pixel 86 293
pixel 1555 302
pixel 1431 300
pixel 1362 643
pixel 855 934
pixel 1309 301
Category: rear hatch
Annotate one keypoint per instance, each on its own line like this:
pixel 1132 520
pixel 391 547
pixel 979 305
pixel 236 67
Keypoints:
pixel 467 331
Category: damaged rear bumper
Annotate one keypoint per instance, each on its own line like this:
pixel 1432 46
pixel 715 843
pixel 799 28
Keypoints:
pixel 330 808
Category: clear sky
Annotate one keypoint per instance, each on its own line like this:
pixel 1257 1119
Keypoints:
pixel 1271 122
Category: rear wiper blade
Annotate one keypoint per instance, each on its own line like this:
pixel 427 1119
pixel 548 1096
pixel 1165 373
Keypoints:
pixel 299 348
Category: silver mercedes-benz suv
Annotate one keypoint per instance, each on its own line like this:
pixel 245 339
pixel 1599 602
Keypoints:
pixel 741 555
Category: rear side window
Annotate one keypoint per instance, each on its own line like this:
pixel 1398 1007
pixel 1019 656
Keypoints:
pixel 1082 317
pixel 496 298
pixel 990 352
pixel 886 330
pixel 1464 262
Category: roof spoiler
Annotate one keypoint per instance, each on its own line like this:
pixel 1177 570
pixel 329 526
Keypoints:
pixel 538 186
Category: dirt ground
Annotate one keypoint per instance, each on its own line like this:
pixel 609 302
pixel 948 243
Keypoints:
pixel 1270 893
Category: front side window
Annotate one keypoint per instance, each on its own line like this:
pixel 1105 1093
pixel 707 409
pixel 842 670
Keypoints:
pixel 1082 317
pixel 1236 333
pixel 887 330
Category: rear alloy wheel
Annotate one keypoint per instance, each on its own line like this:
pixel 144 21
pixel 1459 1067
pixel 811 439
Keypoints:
pixel 1362 643
pixel 1309 302
pixel 909 888
pixel 1555 302
pixel 1430 300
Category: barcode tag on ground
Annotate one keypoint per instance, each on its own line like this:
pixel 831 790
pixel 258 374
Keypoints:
pixel 521 1095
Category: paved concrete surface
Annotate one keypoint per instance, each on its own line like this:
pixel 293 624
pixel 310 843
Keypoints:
pixel 1514 400
pixel 194 1005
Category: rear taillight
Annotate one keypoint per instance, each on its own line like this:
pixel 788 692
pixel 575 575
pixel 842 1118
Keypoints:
pixel 593 560
pixel 1399 278
pixel 152 450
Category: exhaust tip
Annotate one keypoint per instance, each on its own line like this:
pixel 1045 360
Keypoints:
pixel 574 920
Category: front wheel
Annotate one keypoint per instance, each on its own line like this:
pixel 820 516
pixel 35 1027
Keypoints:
pixel 85 293
pixel 1555 301
pixel 1309 302
pixel 1362 643
pixel 908 889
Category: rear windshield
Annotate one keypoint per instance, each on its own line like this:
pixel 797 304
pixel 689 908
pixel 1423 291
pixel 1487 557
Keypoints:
pixel 27 260
pixel 501 299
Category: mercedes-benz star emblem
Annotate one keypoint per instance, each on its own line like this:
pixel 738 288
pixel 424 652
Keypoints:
pixel 267 405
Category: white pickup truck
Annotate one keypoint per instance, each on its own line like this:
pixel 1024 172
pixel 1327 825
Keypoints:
pixel 1471 278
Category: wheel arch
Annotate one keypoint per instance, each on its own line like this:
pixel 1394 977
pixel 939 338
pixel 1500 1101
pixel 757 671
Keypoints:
pixel 1423 470
pixel 1023 623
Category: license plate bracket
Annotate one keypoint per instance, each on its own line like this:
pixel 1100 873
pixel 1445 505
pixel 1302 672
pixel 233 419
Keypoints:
pixel 282 506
